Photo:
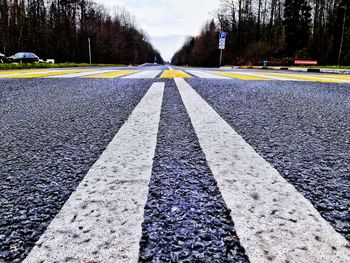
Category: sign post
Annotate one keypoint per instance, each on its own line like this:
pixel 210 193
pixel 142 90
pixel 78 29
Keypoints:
pixel 222 42
pixel 89 50
pixel 220 58
pixel 342 36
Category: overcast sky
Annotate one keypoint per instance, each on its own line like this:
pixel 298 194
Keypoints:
pixel 167 22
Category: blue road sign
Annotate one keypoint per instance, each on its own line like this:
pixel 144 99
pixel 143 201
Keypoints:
pixel 223 35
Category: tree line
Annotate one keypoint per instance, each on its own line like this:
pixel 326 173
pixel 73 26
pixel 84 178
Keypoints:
pixel 60 29
pixel 275 30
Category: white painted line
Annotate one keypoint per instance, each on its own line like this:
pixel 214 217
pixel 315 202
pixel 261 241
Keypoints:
pixel 146 74
pixel 274 221
pixel 170 68
pixel 298 69
pixel 101 221
pixel 262 75
pixel 335 71
pixel 206 75
pixel 80 74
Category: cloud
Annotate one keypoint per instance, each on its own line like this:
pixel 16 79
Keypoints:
pixel 168 22
pixel 170 44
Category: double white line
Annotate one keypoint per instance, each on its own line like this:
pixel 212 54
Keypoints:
pixel 101 221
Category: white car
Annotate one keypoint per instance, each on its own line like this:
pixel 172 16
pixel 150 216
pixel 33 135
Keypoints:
pixel 2 58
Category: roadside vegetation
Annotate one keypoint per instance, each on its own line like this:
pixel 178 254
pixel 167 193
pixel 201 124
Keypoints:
pixel 56 65
pixel 60 30
pixel 333 67
pixel 279 31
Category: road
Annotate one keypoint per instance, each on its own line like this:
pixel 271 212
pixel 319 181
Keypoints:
pixel 173 164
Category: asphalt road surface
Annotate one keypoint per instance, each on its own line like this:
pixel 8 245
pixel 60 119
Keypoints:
pixel 170 164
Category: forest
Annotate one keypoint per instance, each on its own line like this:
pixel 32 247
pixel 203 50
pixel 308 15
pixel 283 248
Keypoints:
pixel 60 29
pixel 278 31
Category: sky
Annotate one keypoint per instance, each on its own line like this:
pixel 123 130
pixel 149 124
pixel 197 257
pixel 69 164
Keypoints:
pixel 167 22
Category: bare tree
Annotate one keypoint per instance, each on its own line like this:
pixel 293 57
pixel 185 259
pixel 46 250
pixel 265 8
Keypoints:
pixel 60 28
pixel 265 29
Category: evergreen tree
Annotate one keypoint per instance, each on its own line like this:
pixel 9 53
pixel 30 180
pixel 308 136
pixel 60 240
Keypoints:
pixel 297 25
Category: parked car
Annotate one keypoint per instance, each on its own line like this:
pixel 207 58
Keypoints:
pixel 24 57
pixel 2 58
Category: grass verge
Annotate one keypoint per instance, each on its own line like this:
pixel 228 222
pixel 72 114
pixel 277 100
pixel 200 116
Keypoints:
pixel 332 67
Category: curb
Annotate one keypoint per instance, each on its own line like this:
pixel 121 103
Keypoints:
pixel 315 70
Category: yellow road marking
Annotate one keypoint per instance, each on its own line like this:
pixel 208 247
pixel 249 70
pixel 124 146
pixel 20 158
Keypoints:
pixel 345 77
pixel 239 76
pixel 112 74
pixel 333 76
pixel 47 74
pixel 10 72
pixel 306 77
pixel 170 74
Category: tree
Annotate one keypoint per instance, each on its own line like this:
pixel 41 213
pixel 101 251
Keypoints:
pixel 280 31
pixel 201 50
pixel 60 29
pixel 297 21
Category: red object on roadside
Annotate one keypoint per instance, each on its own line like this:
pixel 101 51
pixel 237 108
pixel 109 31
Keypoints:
pixel 305 62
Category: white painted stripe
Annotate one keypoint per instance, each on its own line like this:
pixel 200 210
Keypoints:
pixel 262 75
pixel 170 68
pixel 206 75
pixel 146 74
pixel 275 223
pixel 80 74
pixel 298 69
pixel 101 221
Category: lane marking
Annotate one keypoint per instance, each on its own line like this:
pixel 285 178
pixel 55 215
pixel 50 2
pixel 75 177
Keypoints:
pixel 239 76
pixel 101 221
pixel 340 76
pixel 274 221
pixel 112 74
pixel 344 77
pixel 260 74
pixel 81 74
pixel 170 74
pixel 146 74
pixel 206 75
pixel 20 73
pixel 304 77
pixel 170 68
pixel 42 74
pixel 11 72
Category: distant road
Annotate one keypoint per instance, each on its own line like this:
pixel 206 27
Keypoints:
pixel 172 164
